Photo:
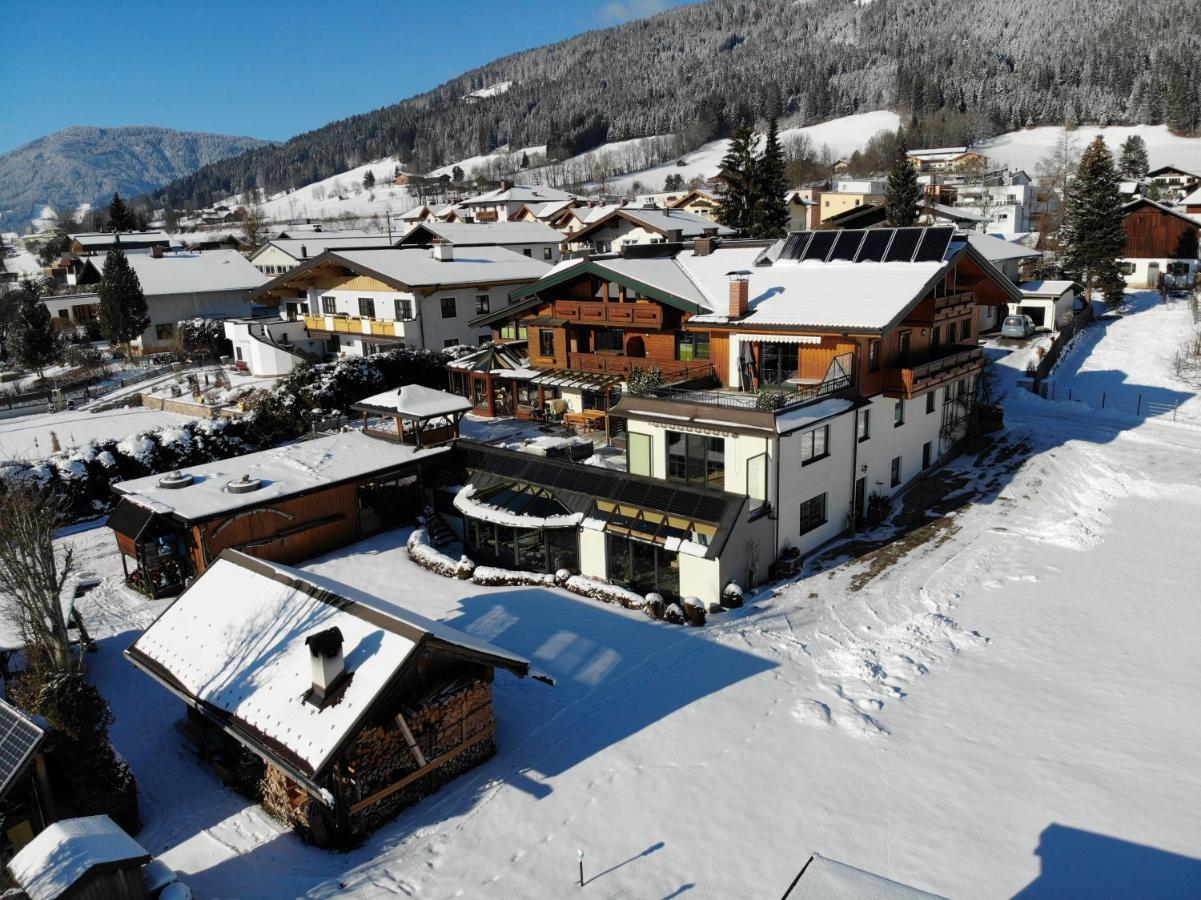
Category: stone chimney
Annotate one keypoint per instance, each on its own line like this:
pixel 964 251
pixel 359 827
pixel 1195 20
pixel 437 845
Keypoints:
pixel 442 251
pixel 329 668
pixel 156 252
pixel 814 212
pixel 740 292
pixel 702 246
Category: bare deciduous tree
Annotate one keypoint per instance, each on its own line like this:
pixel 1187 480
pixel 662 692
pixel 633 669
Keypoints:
pixel 33 574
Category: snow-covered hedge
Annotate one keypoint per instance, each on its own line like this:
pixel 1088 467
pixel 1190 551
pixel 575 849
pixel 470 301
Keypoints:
pixel 429 557
pixel 492 575
pixel 83 476
pixel 602 590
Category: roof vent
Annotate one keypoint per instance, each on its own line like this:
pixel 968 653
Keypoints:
pixel 244 485
pixel 176 479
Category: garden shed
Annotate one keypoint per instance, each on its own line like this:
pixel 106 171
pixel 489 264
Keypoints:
pixel 89 858
pixel 334 708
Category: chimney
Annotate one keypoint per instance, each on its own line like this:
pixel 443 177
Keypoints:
pixel 329 668
pixel 506 185
pixel 815 211
pixel 702 246
pixel 740 290
pixel 304 252
pixel 156 252
pixel 442 251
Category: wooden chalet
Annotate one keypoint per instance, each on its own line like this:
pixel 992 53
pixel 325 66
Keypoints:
pixel 286 504
pixel 334 708
pixel 1155 231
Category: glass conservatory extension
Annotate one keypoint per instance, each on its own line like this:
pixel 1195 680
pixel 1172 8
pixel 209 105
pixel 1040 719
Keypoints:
pixel 520 526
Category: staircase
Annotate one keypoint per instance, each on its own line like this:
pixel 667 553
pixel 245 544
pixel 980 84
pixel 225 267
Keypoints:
pixel 440 534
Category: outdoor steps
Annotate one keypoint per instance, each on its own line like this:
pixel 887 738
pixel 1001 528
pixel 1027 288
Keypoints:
pixel 440 534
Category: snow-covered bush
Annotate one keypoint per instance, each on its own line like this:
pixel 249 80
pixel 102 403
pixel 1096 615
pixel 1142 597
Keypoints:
pixel 731 595
pixel 674 614
pixel 492 575
pixel 602 590
pixel 694 610
pixel 429 557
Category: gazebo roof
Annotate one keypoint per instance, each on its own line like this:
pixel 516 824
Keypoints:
pixel 413 401
pixel 492 358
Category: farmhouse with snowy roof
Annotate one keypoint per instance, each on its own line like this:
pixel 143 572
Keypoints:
pixel 643 225
pixel 499 204
pixel 799 384
pixel 529 238
pixel 946 159
pixel 360 301
pixel 286 504
pixel 93 242
pixel 1160 241
pixel 335 708
pixel 282 254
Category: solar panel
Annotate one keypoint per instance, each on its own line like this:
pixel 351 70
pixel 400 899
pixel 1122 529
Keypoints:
pixel 794 246
pixel 904 242
pixel 19 738
pixel 710 509
pixel 847 244
pixel 874 245
pixel 934 245
pixel 820 246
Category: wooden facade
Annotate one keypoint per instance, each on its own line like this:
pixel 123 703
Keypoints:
pixel 1155 232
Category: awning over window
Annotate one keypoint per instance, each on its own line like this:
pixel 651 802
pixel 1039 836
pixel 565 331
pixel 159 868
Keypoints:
pixel 567 378
pixel 672 532
pixel 130 519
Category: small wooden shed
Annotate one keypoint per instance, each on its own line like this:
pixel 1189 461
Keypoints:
pixel 334 708
pixel 89 858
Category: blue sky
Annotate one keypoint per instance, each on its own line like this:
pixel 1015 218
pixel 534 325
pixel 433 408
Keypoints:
pixel 256 67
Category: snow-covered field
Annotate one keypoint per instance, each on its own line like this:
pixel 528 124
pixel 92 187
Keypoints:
pixel 1023 149
pixel 996 703
pixel 30 437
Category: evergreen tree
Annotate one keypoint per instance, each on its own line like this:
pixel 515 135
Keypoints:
pixel 119 216
pixel 1133 163
pixel 369 180
pixel 770 207
pixel 1093 238
pixel 903 192
pixel 29 337
pixel 123 314
pixel 456 175
pixel 738 174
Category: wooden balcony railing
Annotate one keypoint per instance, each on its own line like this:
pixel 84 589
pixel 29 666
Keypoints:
pixel 355 326
pixel 673 370
pixel 948 307
pixel 954 362
pixel 597 312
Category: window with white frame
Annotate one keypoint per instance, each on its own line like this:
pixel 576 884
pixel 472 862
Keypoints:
pixel 329 306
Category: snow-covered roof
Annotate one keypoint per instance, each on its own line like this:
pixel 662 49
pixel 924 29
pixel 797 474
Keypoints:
pixel 302 248
pixel 954 213
pixel 283 471
pixel 936 153
pixel 93 239
pixel 1146 201
pixel 994 249
pixel 193 273
pixel 304 229
pixel 811 414
pixel 475 234
pixel 414 401
pixel 1047 288
pixel 66 851
pixel 416 214
pixel 417 268
pixel 235 640
pixel 828 879
pixel 689 225
pixel 1193 199
pixel 549 208
pixel 518 193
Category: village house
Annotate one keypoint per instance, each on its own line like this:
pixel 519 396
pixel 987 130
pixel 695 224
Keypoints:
pixel 843 195
pixel 213 284
pixel 412 217
pixel 1190 205
pixel 362 301
pixel 946 159
pixel 288 503
pixel 529 238
pixel 642 225
pixel 90 243
pixel 804 209
pixel 282 254
pixel 549 213
pixel 334 708
pixel 1005 201
pixel 498 205
pixel 270 346
pixel 1172 182
pixel 804 383
pixel 1160 242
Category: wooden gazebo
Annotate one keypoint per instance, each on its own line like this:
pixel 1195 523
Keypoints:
pixel 412 414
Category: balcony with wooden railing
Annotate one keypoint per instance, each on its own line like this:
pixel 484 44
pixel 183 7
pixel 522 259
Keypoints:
pixel 617 364
pixel 950 364
pixel 355 326
pixel 951 306
pixel 599 312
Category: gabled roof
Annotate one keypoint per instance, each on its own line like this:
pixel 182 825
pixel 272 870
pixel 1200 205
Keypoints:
pixel 206 271
pixel 1048 288
pixel 661 221
pixel 518 193
pixel 1165 170
pixel 69 850
pixel 95 239
pixel 405 268
pixel 691 197
pixel 416 214
pixel 1193 199
pixel 233 644
pixel 314 245
pixel 467 234
pixel 996 249
pixel 828 879
pixel 1144 201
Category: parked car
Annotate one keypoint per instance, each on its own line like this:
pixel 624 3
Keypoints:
pixel 1017 327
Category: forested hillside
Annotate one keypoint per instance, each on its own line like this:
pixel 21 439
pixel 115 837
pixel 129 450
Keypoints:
pixel 978 66
pixel 84 165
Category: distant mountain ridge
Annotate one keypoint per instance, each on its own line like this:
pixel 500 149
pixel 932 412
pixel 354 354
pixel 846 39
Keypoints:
pixel 990 66
pixel 85 164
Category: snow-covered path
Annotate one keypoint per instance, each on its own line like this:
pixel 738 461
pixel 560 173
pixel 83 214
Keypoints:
pixel 996 704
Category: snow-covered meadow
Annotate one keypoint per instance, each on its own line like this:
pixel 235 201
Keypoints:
pixel 992 701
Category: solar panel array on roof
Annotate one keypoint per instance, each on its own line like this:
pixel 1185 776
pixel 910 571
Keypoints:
pixel 19 738
pixel 679 501
pixel 869 245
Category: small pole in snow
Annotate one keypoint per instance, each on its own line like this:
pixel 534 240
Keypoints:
pixel 579 854
pixel 1102 399
pixel 1138 407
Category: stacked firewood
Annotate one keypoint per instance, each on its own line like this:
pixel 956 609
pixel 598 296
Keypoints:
pixel 285 799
